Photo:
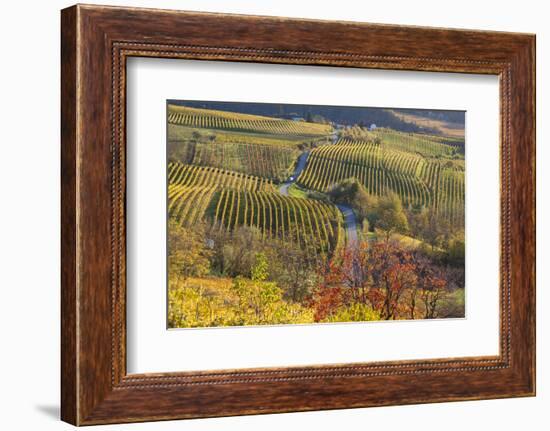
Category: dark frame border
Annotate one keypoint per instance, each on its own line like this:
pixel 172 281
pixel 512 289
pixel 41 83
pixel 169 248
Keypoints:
pixel 95 42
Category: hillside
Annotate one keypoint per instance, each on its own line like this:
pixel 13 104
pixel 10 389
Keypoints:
pixel 278 215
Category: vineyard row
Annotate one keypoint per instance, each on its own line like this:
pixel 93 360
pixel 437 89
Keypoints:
pixel 417 180
pixel 210 119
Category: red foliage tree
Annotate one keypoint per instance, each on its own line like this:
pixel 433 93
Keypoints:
pixel 389 278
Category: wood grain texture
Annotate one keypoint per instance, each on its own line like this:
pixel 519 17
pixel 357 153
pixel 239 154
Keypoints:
pixel 96 41
pixel 69 397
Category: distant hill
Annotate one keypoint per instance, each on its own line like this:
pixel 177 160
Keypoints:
pixel 457 117
pixel 350 115
pixel 446 123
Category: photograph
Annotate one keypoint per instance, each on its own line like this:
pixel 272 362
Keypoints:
pixel 284 214
pixel 323 217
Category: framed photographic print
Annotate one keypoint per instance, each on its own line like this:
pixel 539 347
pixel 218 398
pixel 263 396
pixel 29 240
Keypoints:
pixel 289 214
pixel 268 215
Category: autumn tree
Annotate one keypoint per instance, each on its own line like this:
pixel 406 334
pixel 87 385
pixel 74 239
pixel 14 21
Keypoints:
pixel 292 265
pixel 425 297
pixel 188 255
pixel 430 227
pixel 393 273
pixel 390 216
pixel 354 194
pixel 256 295
pixel 456 249
pixel 373 276
pixel 389 280
pixel 233 253
pixel 345 191
pixel 365 230
pixel 261 301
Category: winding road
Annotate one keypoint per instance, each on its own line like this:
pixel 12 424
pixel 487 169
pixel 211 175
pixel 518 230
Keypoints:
pixel 302 162
pixel 350 224
pixel 350 221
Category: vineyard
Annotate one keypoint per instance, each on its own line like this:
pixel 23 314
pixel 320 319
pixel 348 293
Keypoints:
pixel 382 166
pixel 279 220
pixel 305 220
pixel 196 176
pixel 190 189
pixel 222 120
pixel 227 178
pixel 262 160
pixel 425 145
pixel 231 199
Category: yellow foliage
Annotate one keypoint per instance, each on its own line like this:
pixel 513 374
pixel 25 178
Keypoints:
pixel 356 312
pixel 206 302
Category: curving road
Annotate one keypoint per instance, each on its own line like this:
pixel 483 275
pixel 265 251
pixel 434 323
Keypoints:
pixel 350 225
pixel 302 162
pixel 350 221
